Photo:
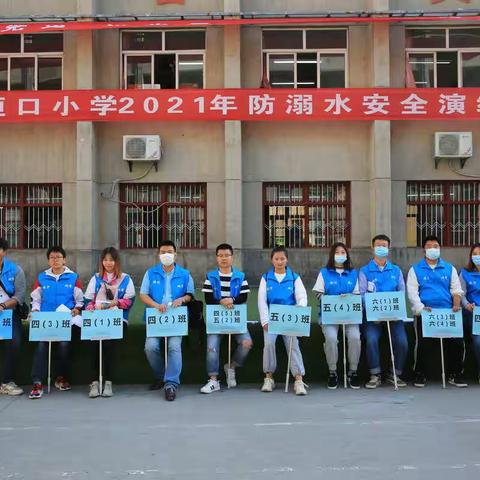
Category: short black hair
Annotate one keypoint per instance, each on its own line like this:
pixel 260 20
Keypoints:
pixel 430 238
pixel 167 243
pixel 56 249
pixel 224 246
pixel 279 249
pixel 3 244
pixel 381 236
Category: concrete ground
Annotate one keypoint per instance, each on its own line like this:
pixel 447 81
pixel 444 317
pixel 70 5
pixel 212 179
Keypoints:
pixel 243 434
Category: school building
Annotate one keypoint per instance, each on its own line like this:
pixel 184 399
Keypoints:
pixel 254 183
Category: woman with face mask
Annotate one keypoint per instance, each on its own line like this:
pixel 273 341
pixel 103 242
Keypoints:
pixel 338 277
pixel 470 282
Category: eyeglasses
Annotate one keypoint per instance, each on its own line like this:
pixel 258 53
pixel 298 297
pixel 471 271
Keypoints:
pixel 224 256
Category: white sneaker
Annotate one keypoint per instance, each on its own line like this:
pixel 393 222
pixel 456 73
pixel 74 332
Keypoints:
pixel 107 389
pixel 10 388
pixel 230 374
pixel 374 382
pixel 268 385
pixel 94 390
pixel 211 386
pixel 299 387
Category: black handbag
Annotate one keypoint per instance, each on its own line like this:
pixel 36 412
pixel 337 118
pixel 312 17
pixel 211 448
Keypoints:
pixel 21 309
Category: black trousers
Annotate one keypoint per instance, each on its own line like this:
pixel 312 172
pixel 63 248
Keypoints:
pixel 12 350
pixel 426 348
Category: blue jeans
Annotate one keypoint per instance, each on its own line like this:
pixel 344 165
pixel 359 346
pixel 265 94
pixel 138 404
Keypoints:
pixel 213 351
pixel 40 360
pixel 155 357
pixel 467 329
pixel 373 332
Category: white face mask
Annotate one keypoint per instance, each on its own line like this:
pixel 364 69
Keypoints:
pixel 432 253
pixel 167 259
pixel 340 259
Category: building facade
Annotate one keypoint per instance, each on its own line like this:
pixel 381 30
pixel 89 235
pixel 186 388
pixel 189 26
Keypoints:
pixel 257 184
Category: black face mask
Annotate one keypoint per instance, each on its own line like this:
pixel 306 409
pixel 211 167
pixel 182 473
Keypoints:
pixel 109 294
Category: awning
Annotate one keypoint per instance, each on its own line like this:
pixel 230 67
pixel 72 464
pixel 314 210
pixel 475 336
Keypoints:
pixel 37 24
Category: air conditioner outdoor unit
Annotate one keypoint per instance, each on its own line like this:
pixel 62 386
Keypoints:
pixel 453 145
pixel 142 148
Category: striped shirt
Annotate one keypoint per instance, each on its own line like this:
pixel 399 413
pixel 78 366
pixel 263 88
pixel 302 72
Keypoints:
pixel 225 289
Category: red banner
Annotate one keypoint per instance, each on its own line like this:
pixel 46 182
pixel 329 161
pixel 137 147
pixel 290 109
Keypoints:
pixel 41 27
pixel 240 104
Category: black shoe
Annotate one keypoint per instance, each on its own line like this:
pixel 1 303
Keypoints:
pixel 419 380
pixel 457 381
pixel 170 393
pixel 332 381
pixel 354 381
pixel 156 385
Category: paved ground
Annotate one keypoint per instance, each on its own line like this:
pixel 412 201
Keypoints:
pixel 243 434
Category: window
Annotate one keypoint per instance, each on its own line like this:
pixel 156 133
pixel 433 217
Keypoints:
pixel 302 215
pixel 449 210
pixel 305 58
pixel 443 57
pixel 152 212
pixel 163 59
pixel 31 62
pixel 31 215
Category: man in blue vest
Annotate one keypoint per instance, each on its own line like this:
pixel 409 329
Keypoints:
pixel 434 283
pixel 379 275
pixel 166 285
pixel 12 294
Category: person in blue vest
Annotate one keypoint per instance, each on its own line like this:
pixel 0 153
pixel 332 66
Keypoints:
pixel 110 288
pixel 379 275
pixel 280 286
pixel 12 295
pixel 434 283
pixel 470 282
pixel 225 286
pixel 166 285
pixel 339 277
pixel 56 288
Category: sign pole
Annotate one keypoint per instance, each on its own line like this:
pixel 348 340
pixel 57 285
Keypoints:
pixel 49 364
pixel 443 363
pixel 229 355
pixel 288 364
pixel 344 358
pixel 101 366
pixel 392 356
pixel 166 353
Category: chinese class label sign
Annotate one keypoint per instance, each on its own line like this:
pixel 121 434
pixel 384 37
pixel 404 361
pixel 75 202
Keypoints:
pixel 340 309
pixel 50 327
pixel 442 323
pixel 239 104
pixel 172 323
pixel 221 320
pixel 383 306
pixel 6 325
pixel 102 325
pixel 289 320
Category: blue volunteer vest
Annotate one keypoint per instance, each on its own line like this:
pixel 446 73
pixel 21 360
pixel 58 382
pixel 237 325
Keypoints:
pixel 57 292
pixel 122 288
pixel 339 283
pixel 9 271
pixel 472 282
pixel 281 293
pixel 434 284
pixel 385 280
pixel 157 278
pixel 235 283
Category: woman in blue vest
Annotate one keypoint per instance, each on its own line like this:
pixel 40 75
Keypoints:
pixel 56 287
pixel 339 277
pixel 110 288
pixel 470 282
pixel 225 286
pixel 12 294
pixel 280 286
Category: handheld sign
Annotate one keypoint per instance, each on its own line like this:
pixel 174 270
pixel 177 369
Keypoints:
pixel 6 323
pixel 50 327
pixel 102 325
pixel 476 321
pixel 222 320
pixel 172 323
pixel 442 323
pixel 289 320
pixel 341 309
pixel 385 306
